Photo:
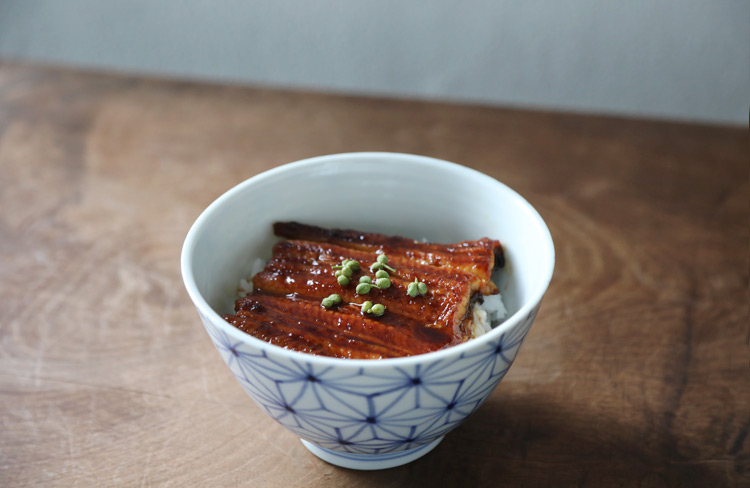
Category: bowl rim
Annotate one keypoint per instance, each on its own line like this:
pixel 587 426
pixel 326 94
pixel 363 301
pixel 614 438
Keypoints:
pixel 388 158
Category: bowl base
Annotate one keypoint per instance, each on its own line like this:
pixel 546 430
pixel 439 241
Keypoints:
pixel 370 461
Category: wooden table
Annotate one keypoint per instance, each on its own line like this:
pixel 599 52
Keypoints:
pixel 636 372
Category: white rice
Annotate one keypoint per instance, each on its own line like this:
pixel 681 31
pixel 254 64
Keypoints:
pixel 246 284
pixel 488 314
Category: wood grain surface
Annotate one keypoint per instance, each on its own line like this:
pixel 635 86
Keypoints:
pixel 636 372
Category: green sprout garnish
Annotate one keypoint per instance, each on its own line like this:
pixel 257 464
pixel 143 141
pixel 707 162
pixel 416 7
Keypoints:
pixel 380 284
pixel 378 309
pixel 381 263
pixel 347 263
pixel 345 270
pixel 416 288
pixel 383 283
pixel 412 290
pixel 331 300
pixel 363 288
pixel 344 273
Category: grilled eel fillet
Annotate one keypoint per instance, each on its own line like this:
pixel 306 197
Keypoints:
pixel 478 257
pixel 284 307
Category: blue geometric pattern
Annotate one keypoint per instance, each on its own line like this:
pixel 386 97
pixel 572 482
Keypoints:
pixel 364 410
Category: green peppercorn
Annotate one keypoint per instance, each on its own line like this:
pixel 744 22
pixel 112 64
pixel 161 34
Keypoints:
pixel 383 283
pixel 378 309
pixel 343 280
pixel 381 263
pixel 422 288
pixel 366 307
pixel 365 279
pixel 363 288
pixel 412 290
pixel 382 274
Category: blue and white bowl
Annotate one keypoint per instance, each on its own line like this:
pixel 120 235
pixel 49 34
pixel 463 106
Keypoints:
pixel 368 414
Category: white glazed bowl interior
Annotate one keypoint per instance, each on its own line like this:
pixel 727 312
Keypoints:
pixel 356 408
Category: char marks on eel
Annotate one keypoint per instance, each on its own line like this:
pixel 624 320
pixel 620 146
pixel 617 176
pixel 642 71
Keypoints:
pixel 285 309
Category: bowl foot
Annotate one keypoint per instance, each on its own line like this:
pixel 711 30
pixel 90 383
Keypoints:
pixel 370 461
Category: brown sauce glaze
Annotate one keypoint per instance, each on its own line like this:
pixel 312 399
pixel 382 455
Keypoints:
pixel 285 306
pixel 300 323
pixel 304 268
pixel 477 257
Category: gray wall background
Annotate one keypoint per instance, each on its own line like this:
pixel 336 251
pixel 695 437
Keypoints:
pixel 675 59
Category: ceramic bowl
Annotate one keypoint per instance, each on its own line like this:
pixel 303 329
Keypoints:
pixel 368 414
